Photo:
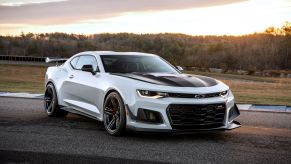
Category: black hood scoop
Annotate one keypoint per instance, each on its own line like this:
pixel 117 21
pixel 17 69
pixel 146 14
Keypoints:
pixel 176 80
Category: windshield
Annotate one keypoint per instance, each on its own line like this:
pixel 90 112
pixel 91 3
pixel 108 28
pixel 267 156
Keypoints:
pixel 136 64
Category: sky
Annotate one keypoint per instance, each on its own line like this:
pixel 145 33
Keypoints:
pixel 193 17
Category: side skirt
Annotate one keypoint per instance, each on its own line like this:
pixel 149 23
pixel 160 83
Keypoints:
pixel 72 110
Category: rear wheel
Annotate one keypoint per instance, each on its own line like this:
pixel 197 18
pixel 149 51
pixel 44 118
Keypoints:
pixel 114 114
pixel 51 102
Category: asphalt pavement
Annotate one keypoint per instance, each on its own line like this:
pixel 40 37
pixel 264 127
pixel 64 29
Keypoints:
pixel 27 135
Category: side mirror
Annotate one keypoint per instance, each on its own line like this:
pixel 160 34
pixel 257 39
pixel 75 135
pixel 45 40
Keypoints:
pixel 179 68
pixel 88 68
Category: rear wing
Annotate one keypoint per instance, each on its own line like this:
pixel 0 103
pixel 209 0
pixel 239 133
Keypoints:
pixel 55 60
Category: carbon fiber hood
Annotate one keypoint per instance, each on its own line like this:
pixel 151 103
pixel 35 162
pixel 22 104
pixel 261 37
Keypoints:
pixel 176 80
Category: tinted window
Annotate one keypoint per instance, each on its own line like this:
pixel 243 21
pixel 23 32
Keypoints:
pixel 136 64
pixel 74 62
pixel 87 60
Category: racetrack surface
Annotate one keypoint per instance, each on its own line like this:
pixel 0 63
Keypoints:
pixel 27 135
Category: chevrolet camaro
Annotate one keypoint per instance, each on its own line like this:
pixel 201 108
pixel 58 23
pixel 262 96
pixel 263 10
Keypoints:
pixel 137 91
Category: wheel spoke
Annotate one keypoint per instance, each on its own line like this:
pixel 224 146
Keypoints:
pixel 117 121
pixel 49 108
pixel 112 122
pixel 47 104
pixel 108 111
pixel 48 100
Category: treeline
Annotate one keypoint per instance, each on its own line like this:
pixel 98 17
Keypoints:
pixel 260 51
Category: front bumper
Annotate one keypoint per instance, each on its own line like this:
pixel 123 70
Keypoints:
pixel 166 125
pixel 231 126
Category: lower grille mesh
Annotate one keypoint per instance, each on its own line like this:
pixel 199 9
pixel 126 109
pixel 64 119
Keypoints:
pixel 189 116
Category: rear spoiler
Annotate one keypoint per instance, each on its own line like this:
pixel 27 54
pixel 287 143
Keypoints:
pixel 56 60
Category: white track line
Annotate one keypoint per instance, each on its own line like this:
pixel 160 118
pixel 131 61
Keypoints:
pixel 21 95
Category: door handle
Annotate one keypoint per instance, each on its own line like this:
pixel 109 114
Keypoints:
pixel 71 76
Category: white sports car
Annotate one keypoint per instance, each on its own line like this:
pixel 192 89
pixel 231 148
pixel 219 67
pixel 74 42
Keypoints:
pixel 139 91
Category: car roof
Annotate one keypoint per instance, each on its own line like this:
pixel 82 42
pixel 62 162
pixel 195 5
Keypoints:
pixel 117 53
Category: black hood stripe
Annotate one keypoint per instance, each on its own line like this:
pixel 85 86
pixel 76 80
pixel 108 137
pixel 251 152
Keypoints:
pixel 176 80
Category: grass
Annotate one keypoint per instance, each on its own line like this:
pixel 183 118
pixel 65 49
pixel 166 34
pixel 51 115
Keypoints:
pixel 254 89
pixel 22 78
pixel 247 89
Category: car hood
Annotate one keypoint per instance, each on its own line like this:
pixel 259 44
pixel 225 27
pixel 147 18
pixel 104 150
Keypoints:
pixel 176 80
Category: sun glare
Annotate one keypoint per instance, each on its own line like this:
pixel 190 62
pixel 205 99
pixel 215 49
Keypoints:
pixel 233 19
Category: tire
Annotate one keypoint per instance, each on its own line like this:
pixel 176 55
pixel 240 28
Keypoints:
pixel 51 102
pixel 114 116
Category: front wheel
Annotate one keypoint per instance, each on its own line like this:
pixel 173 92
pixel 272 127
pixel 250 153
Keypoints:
pixel 51 102
pixel 114 114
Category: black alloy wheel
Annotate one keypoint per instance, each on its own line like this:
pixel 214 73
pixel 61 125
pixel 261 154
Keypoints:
pixel 51 102
pixel 114 114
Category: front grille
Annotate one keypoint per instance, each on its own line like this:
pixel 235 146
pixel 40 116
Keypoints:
pixel 189 116
pixel 185 95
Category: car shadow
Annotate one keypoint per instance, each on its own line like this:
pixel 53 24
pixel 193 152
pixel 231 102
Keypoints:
pixel 80 122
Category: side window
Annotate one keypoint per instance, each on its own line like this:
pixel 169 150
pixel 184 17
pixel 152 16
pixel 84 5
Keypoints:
pixel 86 60
pixel 74 62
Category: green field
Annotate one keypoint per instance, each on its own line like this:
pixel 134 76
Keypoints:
pixel 247 89
pixel 22 78
pixel 256 90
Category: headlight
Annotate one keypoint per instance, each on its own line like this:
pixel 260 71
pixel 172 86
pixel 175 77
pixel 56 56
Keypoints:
pixel 157 94
pixel 152 94
pixel 223 93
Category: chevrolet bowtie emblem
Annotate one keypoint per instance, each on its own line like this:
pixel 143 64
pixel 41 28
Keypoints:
pixel 199 96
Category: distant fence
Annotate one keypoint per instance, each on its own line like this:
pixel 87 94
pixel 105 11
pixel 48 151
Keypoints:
pixel 22 58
